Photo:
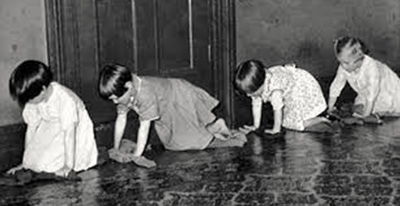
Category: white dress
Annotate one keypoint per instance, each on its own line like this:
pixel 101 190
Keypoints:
pixel 300 98
pixel 47 121
pixel 373 81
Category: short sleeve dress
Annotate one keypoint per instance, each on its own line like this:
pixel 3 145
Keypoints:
pixel 373 81
pixel 180 110
pixel 47 121
pixel 300 95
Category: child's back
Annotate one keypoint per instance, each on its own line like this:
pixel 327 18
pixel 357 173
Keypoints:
pixel 45 150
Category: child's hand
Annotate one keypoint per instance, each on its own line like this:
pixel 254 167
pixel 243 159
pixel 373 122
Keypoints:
pixel 15 169
pixel 63 172
pixel 357 115
pixel 247 129
pixel 290 64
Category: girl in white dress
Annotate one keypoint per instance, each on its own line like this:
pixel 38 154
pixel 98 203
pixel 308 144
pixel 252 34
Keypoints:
pixel 60 136
pixel 294 94
pixel 376 85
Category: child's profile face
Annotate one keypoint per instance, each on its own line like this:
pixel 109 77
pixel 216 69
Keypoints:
pixel 351 57
pixel 257 93
pixel 126 98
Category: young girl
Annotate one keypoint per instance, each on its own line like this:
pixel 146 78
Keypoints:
pixel 181 112
pixel 59 137
pixel 294 94
pixel 376 85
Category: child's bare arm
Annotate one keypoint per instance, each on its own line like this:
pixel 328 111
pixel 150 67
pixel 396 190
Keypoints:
pixel 336 88
pixel 368 108
pixel 69 149
pixel 331 103
pixel 277 105
pixel 70 146
pixel 15 169
pixel 372 90
pixel 143 134
pixel 277 122
pixel 120 124
pixel 256 110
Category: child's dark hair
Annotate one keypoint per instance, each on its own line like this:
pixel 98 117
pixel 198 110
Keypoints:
pixel 112 80
pixel 249 76
pixel 343 41
pixel 28 79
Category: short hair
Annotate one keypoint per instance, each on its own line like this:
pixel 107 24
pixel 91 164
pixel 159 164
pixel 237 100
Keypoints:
pixel 249 76
pixel 112 80
pixel 341 42
pixel 28 79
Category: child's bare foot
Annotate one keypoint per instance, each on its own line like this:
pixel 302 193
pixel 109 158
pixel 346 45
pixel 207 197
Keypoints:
pixel 219 129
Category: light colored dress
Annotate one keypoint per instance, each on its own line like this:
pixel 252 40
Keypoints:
pixel 180 110
pixel 47 121
pixel 373 81
pixel 301 97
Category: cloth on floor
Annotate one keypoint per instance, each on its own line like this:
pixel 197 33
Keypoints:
pixel 236 139
pixel 123 157
pixel 352 121
pixel 219 129
pixel 344 114
pixel 125 154
pixel 372 119
pixel 27 176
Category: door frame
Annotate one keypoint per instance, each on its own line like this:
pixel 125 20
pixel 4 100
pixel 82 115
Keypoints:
pixel 223 53
pixel 222 48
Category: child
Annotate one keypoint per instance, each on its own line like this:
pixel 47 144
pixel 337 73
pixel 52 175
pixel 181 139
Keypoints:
pixel 181 112
pixel 376 85
pixel 295 95
pixel 60 136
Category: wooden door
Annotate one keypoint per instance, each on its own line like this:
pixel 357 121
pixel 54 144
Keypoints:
pixel 83 36
pixel 190 39
pixel 173 40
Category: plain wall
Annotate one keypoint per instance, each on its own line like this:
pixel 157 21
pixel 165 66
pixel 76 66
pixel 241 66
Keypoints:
pixel 22 36
pixel 279 31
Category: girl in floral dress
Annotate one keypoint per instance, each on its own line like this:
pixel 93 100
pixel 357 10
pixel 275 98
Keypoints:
pixel 294 94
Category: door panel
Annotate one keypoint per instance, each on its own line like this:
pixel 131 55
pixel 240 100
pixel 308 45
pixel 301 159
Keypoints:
pixel 176 36
pixel 145 37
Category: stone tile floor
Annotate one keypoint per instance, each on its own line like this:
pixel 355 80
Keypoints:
pixel 358 166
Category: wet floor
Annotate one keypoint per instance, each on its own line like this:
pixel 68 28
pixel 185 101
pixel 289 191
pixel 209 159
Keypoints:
pixel 358 166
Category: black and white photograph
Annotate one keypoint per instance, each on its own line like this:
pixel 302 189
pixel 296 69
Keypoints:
pixel 199 102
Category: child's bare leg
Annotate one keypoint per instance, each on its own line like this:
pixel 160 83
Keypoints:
pixel 316 120
pixel 239 140
pixel 321 124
